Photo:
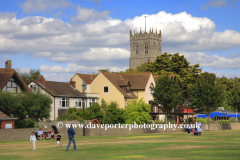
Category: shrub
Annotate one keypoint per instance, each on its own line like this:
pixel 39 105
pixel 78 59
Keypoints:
pixel 25 123
pixel 223 121
pixel 232 119
pixel 202 120
pixel 68 117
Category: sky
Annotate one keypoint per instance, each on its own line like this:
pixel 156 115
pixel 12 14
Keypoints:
pixel 64 37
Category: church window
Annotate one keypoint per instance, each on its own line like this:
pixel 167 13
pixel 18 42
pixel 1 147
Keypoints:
pixel 146 48
pixel 136 49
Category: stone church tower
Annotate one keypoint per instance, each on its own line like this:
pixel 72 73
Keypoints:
pixel 144 47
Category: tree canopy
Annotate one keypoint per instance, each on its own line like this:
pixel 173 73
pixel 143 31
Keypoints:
pixel 33 74
pixel 167 94
pixel 207 94
pixel 178 65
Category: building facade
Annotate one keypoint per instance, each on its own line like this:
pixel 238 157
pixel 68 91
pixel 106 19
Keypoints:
pixel 144 47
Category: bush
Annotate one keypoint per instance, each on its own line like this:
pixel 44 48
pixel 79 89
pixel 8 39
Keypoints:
pixel 223 121
pixel 68 117
pixel 232 120
pixel 25 123
pixel 204 120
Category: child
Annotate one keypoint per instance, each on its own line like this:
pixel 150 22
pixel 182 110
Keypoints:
pixel 49 134
pixel 58 139
pixel 34 140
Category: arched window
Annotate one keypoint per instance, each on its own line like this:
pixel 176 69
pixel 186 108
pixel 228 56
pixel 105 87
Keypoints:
pixel 146 48
pixel 137 49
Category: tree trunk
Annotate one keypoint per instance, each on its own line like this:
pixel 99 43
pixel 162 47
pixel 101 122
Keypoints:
pixel 208 123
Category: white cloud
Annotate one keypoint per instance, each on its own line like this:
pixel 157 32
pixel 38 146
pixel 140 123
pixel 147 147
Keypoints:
pixel 86 14
pixel 35 6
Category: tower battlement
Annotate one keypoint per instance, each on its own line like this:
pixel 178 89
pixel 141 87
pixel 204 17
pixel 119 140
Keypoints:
pixel 144 47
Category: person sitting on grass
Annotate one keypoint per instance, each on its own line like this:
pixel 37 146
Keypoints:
pixel 58 139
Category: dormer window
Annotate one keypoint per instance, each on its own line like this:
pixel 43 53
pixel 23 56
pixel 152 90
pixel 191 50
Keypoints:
pixel 33 88
pixel 11 87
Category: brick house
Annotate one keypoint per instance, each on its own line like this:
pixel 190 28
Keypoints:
pixel 6 122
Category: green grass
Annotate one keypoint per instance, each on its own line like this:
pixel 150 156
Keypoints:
pixel 213 145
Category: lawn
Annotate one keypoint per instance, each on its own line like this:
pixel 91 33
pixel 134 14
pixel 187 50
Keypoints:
pixel 213 145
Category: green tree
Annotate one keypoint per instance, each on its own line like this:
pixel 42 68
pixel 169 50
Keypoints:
pixel 114 114
pixel 167 94
pixel 234 96
pixel 178 65
pixel 93 112
pixel 143 67
pixel 37 106
pixel 33 74
pixel 206 95
pixel 137 111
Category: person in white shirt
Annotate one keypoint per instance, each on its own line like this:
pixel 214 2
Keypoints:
pixel 40 134
pixel 34 140
pixel 199 126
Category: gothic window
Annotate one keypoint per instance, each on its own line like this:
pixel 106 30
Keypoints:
pixel 137 49
pixel 146 48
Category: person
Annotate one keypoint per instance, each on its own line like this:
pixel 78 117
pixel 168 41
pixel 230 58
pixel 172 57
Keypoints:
pixel 34 140
pixel 49 134
pixel 199 127
pixel 71 133
pixel 40 134
pixel 54 130
pixel 58 139
pixel 189 128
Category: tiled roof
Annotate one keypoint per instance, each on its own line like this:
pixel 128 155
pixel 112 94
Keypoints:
pixel 60 89
pixel 138 81
pixel 157 76
pixel 114 78
pixel 87 78
pixel 3 115
pixel 6 74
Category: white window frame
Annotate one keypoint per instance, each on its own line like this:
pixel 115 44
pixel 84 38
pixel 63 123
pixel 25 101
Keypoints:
pixel 78 100
pixel 60 100
pixel 107 89
pixel 33 86
pixel 91 101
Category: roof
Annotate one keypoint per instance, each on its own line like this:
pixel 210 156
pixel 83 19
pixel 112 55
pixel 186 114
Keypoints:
pixel 157 76
pixel 138 81
pixel 3 115
pixel 6 74
pixel 115 79
pixel 57 89
pixel 87 78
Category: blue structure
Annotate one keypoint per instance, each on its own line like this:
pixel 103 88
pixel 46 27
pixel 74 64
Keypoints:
pixel 215 115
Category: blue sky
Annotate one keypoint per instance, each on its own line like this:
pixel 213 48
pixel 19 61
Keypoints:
pixel 64 37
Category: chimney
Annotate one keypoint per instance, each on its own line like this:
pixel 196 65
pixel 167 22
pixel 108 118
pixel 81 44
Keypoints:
pixel 42 80
pixel 8 64
pixel 88 87
pixel 72 83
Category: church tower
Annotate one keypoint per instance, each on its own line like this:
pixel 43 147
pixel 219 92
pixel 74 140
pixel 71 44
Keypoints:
pixel 144 47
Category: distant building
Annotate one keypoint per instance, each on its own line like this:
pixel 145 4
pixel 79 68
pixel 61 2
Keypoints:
pixel 6 122
pixel 144 47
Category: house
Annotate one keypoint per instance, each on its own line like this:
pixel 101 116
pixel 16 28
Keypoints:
pixel 6 122
pixel 10 81
pixel 63 94
pixel 123 88
pixel 83 84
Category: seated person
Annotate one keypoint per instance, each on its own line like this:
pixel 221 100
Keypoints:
pixel 54 130
pixel 49 133
pixel 40 134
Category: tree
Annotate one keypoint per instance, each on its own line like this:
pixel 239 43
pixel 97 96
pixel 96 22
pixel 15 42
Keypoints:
pixel 234 96
pixel 167 94
pixel 137 111
pixel 143 67
pixel 206 95
pixel 33 74
pixel 114 114
pixel 178 65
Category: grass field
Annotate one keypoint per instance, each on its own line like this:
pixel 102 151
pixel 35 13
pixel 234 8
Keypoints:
pixel 212 145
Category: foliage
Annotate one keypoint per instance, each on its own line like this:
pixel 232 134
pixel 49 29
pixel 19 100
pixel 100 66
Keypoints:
pixel 24 123
pixel 178 65
pixel 33 74
pixel 202 120
pixel 232 119
pixel 104 70
pixel 114 114
pixel 142 67
pixel 93 112
pixel 206 94
pixel 223 121
pixel 234 95
pixel 35 106
pixel 166 94
pixel 137 111
pixel 68 117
